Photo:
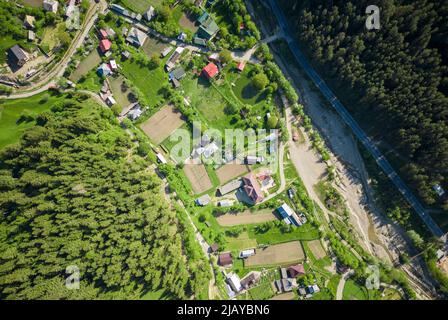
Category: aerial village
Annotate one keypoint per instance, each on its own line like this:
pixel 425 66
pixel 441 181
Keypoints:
pixel 41 38
pixel 228 192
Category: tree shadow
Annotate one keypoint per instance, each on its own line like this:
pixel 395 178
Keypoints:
pixel 249 92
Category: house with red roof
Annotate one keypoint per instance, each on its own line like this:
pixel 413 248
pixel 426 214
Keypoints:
pixel 225 259
pixel 252 188
pixel 103 34
pixel 210 70
pixel 241 66
pixel 105 45
pixel 296 270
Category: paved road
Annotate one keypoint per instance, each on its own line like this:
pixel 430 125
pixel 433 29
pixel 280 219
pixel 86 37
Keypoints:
pixel 51 77
pixel 348 119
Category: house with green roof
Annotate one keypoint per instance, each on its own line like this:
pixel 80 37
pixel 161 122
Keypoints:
pixel 208 27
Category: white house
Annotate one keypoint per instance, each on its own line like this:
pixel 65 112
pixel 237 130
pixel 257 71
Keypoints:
pixel 247 253
pixel 161 158
pixel 234 282
pixel 110 100
pixel 225 203
pixel 135 113
pixel 50 5
pixel 149 14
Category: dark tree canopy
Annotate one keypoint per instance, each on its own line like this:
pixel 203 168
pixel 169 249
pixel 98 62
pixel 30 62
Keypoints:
pixel 73 192
pixel 395 77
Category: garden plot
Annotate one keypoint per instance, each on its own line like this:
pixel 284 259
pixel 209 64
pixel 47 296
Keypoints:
pixel 230 171
pixel 90 62
pixel 316 248
pixel 154 46
pixel 120 91
pixel 188 23
pixel 246 217
pixel 353 291
pixel 284 253
pixel 33 3
pixel 241 242
pixel 162 124
pixel 198 177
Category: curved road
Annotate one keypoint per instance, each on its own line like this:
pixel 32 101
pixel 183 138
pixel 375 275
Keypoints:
pixel 348 119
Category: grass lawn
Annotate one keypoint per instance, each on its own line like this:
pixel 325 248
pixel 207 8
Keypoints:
pixel 141 5
pixel 275 235
pixel 243 241
pixel 353 291
pixel 290 170
pixel 154 46
pixel 333 284
pixel 208 101
pixel 50 36
pixel 244 89
pixel 117 90
pixel 11 110
pixel 91 82
pixel 262 292
pixel 149 82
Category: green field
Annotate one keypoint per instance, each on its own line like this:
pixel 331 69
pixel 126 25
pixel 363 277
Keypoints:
pixel 149 82
pixel 12 110
pixel 353 291
pixel 244 89
pixel 275 235
pixel 240 243
pixel 51 35
pixel 209 102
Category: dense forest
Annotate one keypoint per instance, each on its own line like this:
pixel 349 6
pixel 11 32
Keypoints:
pixel 74 193
pixel 395 77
